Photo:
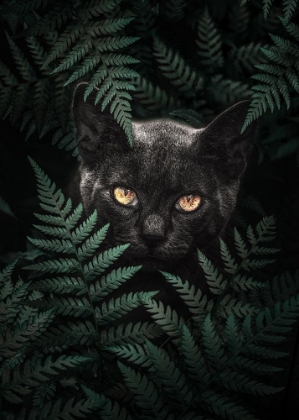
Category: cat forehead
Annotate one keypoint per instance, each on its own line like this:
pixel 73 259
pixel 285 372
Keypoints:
pixel 164 129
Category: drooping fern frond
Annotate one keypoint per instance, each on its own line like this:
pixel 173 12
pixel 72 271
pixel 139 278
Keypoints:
pixel 226 91
pixel 89 47
pixel 289 8
pixel 278 79
pixel 209 43
pixel 80 271
pixel 152 97
pixel 173 66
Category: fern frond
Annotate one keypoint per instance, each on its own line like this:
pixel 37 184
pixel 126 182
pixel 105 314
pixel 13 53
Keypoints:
pixel 53 19
pixel 214 279
pixel 167 318
pixel 209 43
pixel 152 96
pixel 116 308
pixel 7 271
pixel 266 7
pixel 64 284
pixel 241 383
pixel 176 70
pixel 196 365
pixel 40 370
pixel 131 333
pixel 197 302
pixel 173 381
pixel 103 261
pixel 108 410
pixel 112 281
pixel 132 353
pixel 230 265
pixel 226 91
pixel 16 341
pixel 146 394
pixel 224 407
pixel 59 338
pixel 61 265
pixel 277 78
pixel 212 343
pixel 289 7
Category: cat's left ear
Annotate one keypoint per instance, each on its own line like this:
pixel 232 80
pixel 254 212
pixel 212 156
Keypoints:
pixel 96 130
pixel 223 136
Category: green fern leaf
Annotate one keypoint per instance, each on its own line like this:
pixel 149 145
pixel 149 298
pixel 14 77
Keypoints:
pixel 176 70
pixel 7 271
pixel 64 246
pixel 69 306
pixel 58 338
pixel 94 8
pixel 130 333
pixel 230 265
pixel 266 7
pixel 241 282
pixel 116 308
pixel 111 281
pixel 173 381
pixel 254 366
pixel 212 344
pixel 227 91
pixel 103 261
pixel 146 394
pixel 240 383
pixel 196 365
pixel 224 407
pixel 61 265
pixel 61 285
pixel 196 302
pixel 132 353
pixel 54 19
pixel 25 332
pixel 209 43
pixel 167 319
pixel 289 8
pixel 108 410
pixel 230 305
pixel 214 279
pixel 84 230
pixel 152 96
pixel 92 243
pixel 74 217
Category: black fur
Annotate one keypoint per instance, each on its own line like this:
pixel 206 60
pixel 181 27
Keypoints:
pixel 168 160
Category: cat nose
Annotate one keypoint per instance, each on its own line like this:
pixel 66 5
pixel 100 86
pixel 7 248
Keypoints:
pixel 153 228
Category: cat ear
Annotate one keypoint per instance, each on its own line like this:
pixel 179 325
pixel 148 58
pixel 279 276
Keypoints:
pixel 96 130
pixel 224 139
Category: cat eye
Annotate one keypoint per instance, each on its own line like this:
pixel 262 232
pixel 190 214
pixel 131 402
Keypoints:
pixel 125 196
pixel 188 203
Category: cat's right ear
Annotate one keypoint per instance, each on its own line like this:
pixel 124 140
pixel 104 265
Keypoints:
pixel 97 130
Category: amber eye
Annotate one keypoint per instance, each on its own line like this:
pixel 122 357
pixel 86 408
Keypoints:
pixel 125 196
pixel 188 203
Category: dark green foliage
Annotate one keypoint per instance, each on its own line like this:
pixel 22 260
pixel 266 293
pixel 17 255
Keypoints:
pixel 204 366
pixel 99 42
pixel 66 348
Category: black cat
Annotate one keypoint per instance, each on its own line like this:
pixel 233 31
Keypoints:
pixel 172 193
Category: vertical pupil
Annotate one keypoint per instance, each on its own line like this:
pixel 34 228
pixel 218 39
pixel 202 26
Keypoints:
pixel 189 197
pixel 126 192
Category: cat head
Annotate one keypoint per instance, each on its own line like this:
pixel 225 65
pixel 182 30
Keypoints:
pixel 173 191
